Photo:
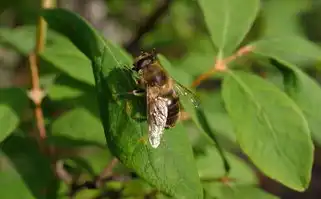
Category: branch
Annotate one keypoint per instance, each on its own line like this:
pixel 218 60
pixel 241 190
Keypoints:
pixel 148 25
pixel 36 94
pixel 105 176
pixel 62 173
pixel 107 172
pixel 221 65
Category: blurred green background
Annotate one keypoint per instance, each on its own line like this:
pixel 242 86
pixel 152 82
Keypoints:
pixel 176 29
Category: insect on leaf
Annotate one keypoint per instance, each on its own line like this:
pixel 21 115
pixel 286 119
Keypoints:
pixel 192 105
pixel 123 117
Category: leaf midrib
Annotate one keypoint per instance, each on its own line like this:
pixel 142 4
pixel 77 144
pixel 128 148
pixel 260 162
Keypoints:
pixel 246 89
pixel 226 23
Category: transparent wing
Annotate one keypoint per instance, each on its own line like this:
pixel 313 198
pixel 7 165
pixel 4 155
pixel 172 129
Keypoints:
pixel 156 117
pixel 183 91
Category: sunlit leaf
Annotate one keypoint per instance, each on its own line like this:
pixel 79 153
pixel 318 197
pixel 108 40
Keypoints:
pixel 59 53
pixel 282 18
pixel 228 21
pixel 210 168
pixel 164 167
pixel 306 92
pixel 270 129
pixel 221 191
pixel 292 49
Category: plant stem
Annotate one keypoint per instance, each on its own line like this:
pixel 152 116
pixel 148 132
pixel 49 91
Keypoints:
pixel 221 65
pixel 148 25
pixel 36 94
pixel 107 171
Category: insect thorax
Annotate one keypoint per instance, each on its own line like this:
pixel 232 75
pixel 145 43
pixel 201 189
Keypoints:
pixel 155 75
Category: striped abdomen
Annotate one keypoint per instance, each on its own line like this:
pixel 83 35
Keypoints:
pixel 173 111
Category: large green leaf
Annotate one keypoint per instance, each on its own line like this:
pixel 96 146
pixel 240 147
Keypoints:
pixel 59 92
pixel 63 55
pixel 24 172
pixel 65 87
pixel 21 39
pixel 164 167
pixel 270 128
pixel 12 103
pixel 228 21
pixel 306 93
pixel 59 52
pixel 210 168
pixel 79 124
pixel 282 18
pixel 293 49
pixel 221 191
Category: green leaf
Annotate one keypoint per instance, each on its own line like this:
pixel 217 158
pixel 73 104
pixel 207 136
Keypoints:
pixel 65 87
pixel 282 18
pixel 23 39
pixel 221 191
pixel 13 101
pixel 136 188
pixel 270 129
pixel 216 113
pixel 210 168
pixel 59 53
pixel 79 124
pixel 24 172
pixel 247 192
pixel 292 49
pixel 228 21
pixel 306 92
pixel 164 167
pixel 63 55
pixel 59 92
pixel 17 38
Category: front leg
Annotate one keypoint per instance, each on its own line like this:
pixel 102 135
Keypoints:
pixel 136 92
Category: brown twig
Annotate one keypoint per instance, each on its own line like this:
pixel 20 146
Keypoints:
pixel 105 176
pixel 221 65
pixel 107 172
pixel 36 94
pixel 148 25
pixel 62 173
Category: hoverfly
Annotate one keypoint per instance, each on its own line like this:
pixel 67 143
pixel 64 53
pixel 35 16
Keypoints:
pixel 162 94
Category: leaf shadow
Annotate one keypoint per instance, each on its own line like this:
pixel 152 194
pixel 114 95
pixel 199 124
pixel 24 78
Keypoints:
pixel 206 127
pixel 121 81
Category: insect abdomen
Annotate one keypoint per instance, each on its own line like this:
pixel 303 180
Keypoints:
pixel 173 112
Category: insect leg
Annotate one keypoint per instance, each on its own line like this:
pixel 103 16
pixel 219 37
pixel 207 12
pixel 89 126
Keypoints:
pixel 137 92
